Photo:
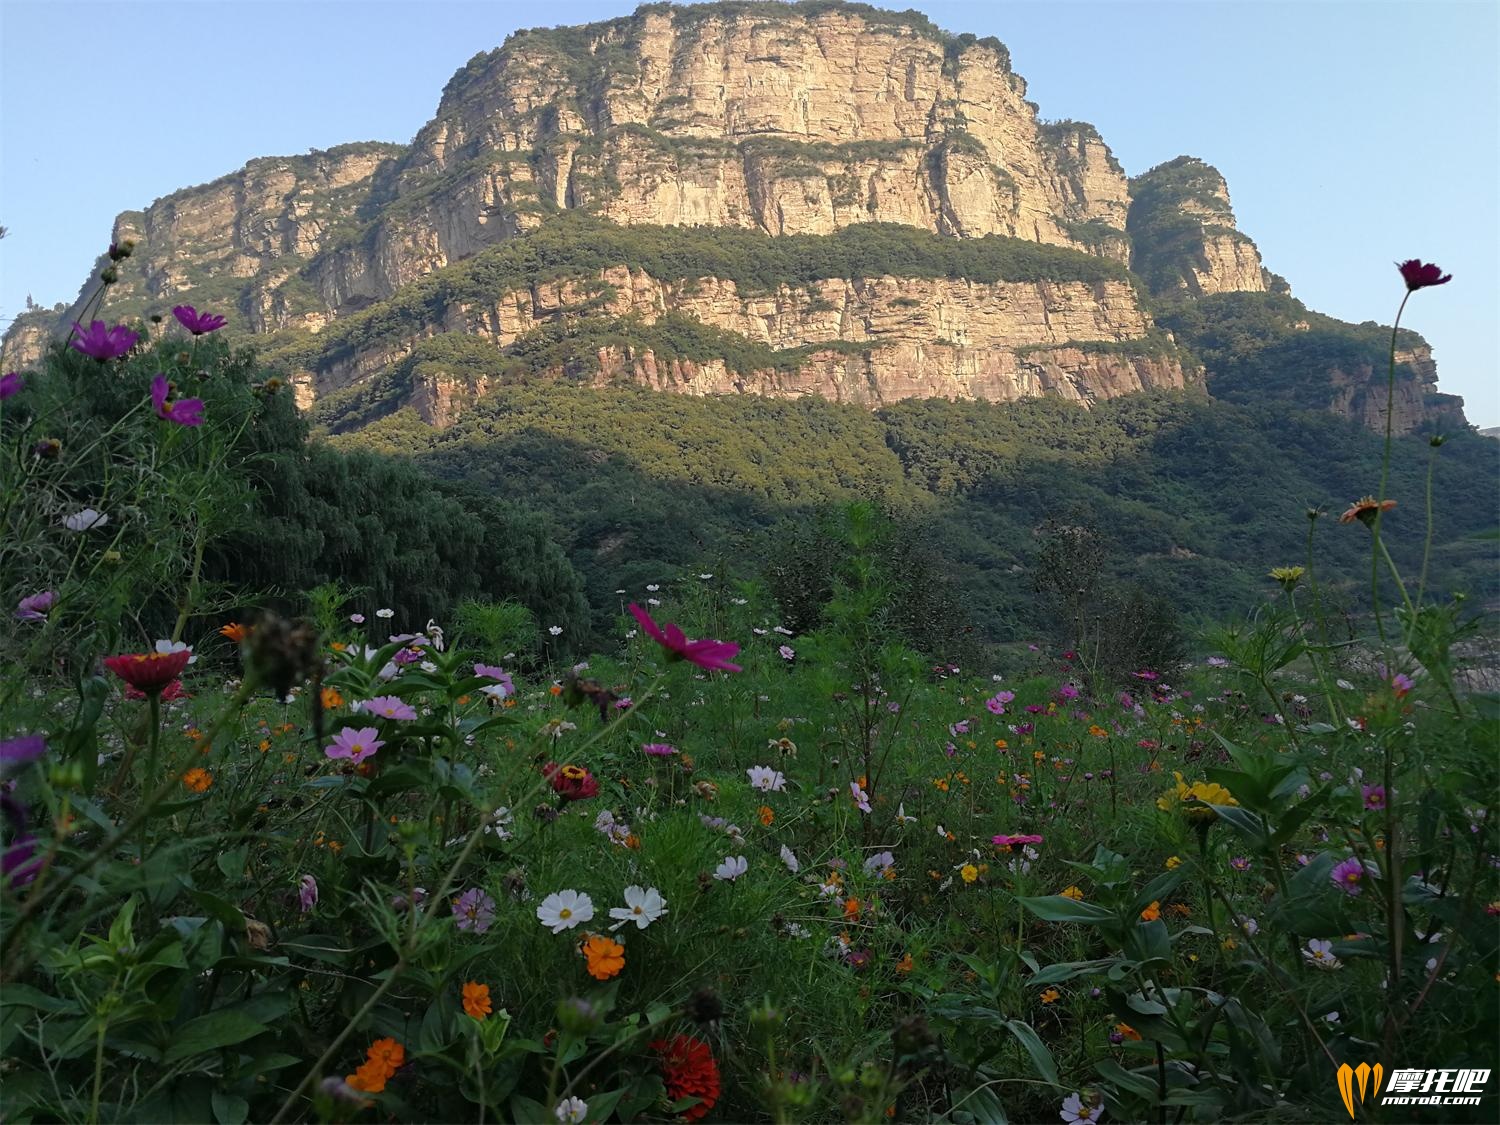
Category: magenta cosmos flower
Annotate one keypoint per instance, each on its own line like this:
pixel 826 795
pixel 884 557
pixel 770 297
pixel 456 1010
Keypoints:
pixel 1016 841
pixel 1349 876
pixel 199 324
pixel 184 411
pixel 307 893
pixel 354 744
pixel 35 607
pixel 1419 274
pixel 10 384
pixel 103 342
pixel 388 707
pixel 710 655
pixel 659 749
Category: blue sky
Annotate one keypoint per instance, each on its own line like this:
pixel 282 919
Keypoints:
pixel 1352 134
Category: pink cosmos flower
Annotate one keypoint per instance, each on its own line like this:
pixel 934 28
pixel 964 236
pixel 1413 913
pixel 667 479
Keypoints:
pixel 356 745
pixel 1374 796
pixel 787 652
pixel 36 606
pixel 861 798
pixel 1019 840
pixel 996 703
pixel 10 384
pixel 184 411
pixel 307 893
pixel 103 342
pixel 387 707
pixel 710 655
pixel 474 910
pixel 1349 876
pixel 199 324
pixel 659 749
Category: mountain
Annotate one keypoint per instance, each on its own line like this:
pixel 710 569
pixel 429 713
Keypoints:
pixel 820 198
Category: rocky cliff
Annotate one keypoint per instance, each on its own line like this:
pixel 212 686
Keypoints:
pixel 774 121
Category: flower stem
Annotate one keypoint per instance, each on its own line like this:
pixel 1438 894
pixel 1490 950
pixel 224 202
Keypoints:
pixel 1385 465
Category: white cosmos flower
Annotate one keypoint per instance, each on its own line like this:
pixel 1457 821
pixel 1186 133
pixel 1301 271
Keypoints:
pixel 386 613
pixel 564 910
pixel 789 857
pixel 643 905
pixel 555 630
pixel 570 1111
pixel 166 648
pixel 732 868
pixel 766 779
pixel 84 520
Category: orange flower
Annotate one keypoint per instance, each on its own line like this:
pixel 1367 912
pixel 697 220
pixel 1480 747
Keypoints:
pixel 477 1000
pixel 1098 732
pixel 383 1058
pixel 1051 996
pixel 197 779
pixel 1366 509
pixel 235 631
pixel 605 956
pixel 1152 912
pixel 904 965
pixel 555 689
pixel 1001 744
pixel 370 1078
pixel 767 815
pixel 332 700
pixel 1073 892
pixel 338 646
pixel 1128 1032
pixel 851 909
pixel 391 1053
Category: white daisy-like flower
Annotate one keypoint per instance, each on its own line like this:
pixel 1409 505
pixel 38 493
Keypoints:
pixel 1318 954
pixel 84 520
pixel 732 868
pixel 766 779
pixel 564 910
pixel 789 857
pixel 705 577
pixel 652 587
pixel 166 648
pixel 386 613
pixel 555 630
pixel 572 1110
pixel 643 905
pixel 1074 1110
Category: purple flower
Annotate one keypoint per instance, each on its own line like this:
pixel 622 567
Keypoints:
pixel 474 910
pixel 10 384
pixel 787 652
pixel 861 798
pixel 958 728
pixel 1349 876
pixel 307 893
pixel 18 752
pixel 35 607
pixel 184 411
pixel 102 342
pixel 20 863
pixel 1240 863
pixel 1374 796
pixel 407 656
pixel 996 703
pixel 387 707
pixel 1067 692
pixel 199 324
pixel 659 749
pixel 356 745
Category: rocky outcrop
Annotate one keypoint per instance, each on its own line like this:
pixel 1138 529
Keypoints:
pixel 1183 234
pixel 1362 394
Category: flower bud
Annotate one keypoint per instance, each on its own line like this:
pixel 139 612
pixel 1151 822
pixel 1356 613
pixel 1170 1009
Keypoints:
pixel 49 449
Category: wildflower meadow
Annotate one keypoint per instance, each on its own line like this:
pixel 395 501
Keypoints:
pixel 423 848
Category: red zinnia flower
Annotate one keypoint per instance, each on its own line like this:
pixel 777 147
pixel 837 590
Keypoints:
pixel 573 783
pixel 712 656
pixel 149 672
pixel 1420 274
pixel 688 1066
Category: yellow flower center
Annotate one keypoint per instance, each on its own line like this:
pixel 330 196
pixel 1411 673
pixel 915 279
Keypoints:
pixel 565 913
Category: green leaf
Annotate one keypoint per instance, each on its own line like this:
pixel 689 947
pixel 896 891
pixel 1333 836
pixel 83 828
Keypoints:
pixel 1067 970
pixel 1116 1075
pixel 223 1028
pixel 1061 908
pixel 1041 1058
pixel 229 1109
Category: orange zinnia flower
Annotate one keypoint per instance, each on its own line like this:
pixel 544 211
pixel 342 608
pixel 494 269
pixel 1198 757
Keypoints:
pixel 477 1000
pixel 197 779
pixel 605 956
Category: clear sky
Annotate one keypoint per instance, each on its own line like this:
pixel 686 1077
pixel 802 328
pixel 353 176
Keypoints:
pixel 1352 134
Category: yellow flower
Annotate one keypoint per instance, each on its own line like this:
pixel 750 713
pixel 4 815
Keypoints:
pixel 969 872
pixel 1193 800
pixel 1074 892
pixel 1173 861
pixel 1051 996
pixel 1288 576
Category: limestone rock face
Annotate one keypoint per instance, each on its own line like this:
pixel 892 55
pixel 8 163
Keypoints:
pixel 781 120
pixel 1185 240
